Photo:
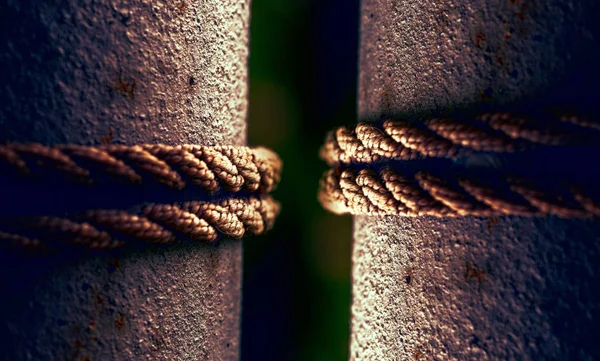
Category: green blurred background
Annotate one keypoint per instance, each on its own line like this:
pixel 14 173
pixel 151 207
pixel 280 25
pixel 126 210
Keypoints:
pixel 303 70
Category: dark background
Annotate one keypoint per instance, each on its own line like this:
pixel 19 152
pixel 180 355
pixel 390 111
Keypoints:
pixel 303 71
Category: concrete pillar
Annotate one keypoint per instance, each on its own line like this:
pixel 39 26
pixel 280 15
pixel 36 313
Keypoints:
pixel 506 288
pixel 90 72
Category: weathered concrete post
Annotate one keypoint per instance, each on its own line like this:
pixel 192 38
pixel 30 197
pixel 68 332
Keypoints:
pixel 476 289
pixel 89 72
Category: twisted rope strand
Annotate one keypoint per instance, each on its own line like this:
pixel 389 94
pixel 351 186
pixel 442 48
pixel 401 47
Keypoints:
pixel 154 223
pixel 212 168
pixel 390 192
pixel 448 138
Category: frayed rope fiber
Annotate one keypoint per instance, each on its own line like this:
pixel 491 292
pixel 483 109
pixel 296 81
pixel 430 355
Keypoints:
pixel 245 175
pixel 374 168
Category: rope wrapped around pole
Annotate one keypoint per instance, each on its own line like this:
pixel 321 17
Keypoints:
pixel 233 182
pixel 232 168
pixel 373 168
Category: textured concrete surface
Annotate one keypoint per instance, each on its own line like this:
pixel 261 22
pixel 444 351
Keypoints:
pixel 127 72
pixel 505 288
pixel 435 56
pixel 475 289
pixel 179 303
pixel 135 71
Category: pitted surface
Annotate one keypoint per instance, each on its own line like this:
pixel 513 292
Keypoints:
pixel 180 303
pixel 129 72
pixel 426 56
pixel 475 289
pixel 505 288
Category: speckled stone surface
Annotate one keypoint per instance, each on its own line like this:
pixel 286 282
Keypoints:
pixel 129 72
pixel 139 71
pixel 504 288
pixel 177 303
pixel 435 56
pixel 475 289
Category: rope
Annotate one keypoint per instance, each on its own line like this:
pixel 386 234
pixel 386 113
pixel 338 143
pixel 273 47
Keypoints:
pixel 374 165
pixel 244 174
pixel 392 192
pixel 450 138
pixel 210 168
pixel 153 223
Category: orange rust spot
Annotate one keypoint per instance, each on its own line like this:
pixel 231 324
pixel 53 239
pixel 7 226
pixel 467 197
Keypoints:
pixel 479 39
pixel 119 323
pixel 418 354
pixel 182 6
pixel 507 35
pixel 125 88
pixel 472 271
pixel 500 60
pixel 92 325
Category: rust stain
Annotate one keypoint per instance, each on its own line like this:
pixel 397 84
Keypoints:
pixel 120 322
pixel 472 271
pixel 500 60
pixel 521 14
pixel 479 39
pixel 125 88
pixel 78 346
pixel 182 6
pixel 418 354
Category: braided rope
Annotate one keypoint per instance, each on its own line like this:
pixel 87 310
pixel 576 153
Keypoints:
pixel 388 191
pixel 449 138
pixel 153 223
pixel 248 173
pixel 212 168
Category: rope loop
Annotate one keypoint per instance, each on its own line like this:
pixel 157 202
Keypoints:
pixel 450 138
pixel 233 181
pixel 396 167
pixel 230 168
